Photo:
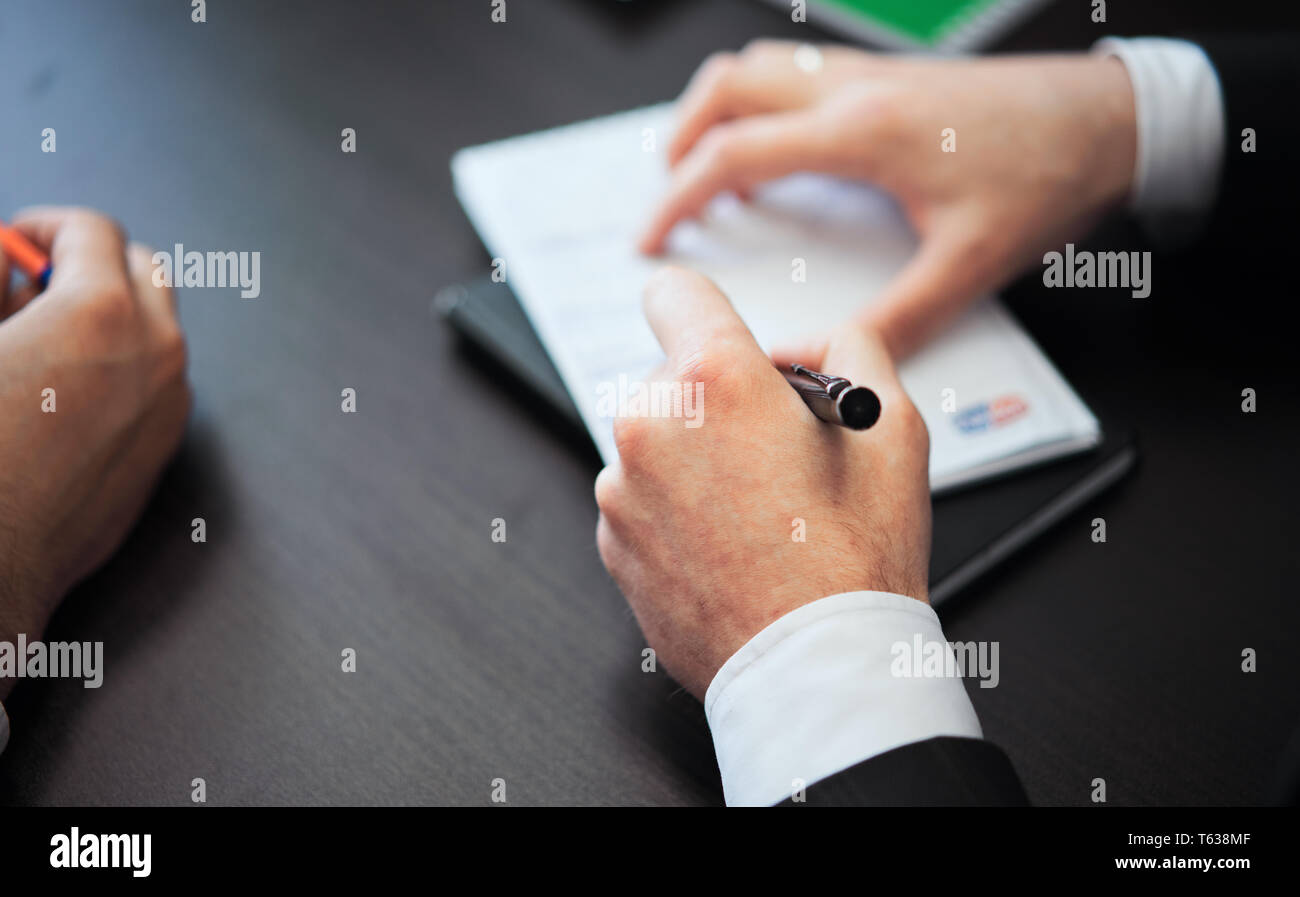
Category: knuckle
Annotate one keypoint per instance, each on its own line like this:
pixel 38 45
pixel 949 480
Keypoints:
pixel 171 351
pixel 718 64
pixel 92 219
pixel 108 310
pixel 764 46
pixel 607 490
pixel 83 215
pixel 713 371
pixel 720 147
pixel 140 258
pixel 883 110
pixel 606 542
pixel 631 435
pixel 888 106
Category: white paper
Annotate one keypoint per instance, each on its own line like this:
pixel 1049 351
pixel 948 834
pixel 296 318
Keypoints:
pixel 562 209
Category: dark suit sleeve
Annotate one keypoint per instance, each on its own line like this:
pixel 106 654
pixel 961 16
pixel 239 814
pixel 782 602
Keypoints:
pixel 1223 292
pixel 1260 79
pixel 938 772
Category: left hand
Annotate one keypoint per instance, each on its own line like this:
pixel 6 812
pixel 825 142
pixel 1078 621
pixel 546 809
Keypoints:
pixel 697 524
pixel 1047 146
pixel 103 345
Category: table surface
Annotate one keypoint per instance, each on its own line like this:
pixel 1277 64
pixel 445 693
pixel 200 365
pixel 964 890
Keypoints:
pixel 479 660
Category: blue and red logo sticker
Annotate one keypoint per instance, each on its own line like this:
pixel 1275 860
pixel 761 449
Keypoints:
pixel 990 415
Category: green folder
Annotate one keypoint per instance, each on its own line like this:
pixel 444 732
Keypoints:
pixel 948 25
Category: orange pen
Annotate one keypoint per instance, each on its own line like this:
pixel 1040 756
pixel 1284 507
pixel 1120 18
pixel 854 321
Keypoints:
pixel 19 250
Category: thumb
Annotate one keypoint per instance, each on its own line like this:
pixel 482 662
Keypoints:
pixel 688 313
pixel 937 283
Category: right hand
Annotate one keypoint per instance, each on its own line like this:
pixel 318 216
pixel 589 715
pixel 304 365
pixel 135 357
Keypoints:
pixel 1044 146
pixel 698 524
pixel 108 342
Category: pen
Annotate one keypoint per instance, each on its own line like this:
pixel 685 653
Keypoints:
pixel 834 399
pixel 34 263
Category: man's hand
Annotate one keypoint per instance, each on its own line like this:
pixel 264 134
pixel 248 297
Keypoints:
pixel 77 463
pixel 698 525
pixel 1044 145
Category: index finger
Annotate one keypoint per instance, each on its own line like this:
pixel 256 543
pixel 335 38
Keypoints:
pixel 764 78
pixel 83 245
pixel 739 154
pixel 688 313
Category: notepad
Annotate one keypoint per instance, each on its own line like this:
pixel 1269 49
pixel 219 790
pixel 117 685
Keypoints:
pixel 559 211
pixel 948 25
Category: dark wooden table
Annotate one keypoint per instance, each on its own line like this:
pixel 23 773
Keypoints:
pixel 371 531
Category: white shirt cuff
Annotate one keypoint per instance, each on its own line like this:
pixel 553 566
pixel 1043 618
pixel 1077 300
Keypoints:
pixel 1180 132
pixel 820 690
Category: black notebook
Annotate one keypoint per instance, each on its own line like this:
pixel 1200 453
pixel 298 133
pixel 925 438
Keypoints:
pixel 975 528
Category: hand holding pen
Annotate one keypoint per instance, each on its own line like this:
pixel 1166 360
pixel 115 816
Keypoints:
pixel 701 518
pixel 95 401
